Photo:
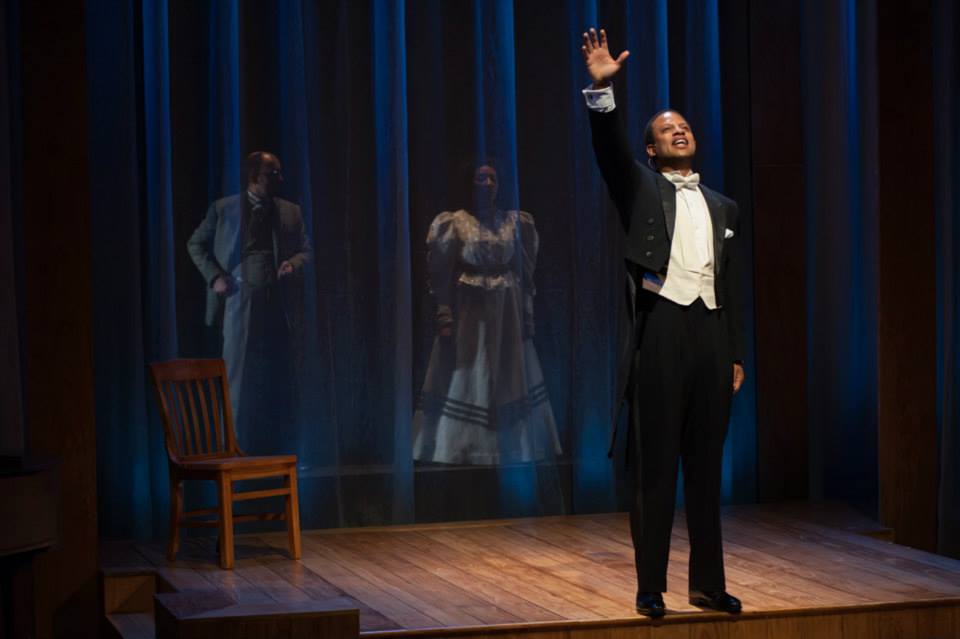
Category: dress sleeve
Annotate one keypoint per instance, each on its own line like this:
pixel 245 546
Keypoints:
pixel 443 248
pixel 530 242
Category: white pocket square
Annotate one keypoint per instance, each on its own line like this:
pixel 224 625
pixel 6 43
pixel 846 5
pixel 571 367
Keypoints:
pixel 727 234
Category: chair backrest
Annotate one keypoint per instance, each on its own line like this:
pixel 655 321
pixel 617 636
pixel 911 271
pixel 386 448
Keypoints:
pixel 194 401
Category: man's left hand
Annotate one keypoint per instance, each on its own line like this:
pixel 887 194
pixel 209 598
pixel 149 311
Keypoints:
pixel 738 377
pixel 286 268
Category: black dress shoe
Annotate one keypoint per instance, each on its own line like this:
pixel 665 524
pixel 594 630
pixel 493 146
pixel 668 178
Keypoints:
pixel 651 604
pixel 715 600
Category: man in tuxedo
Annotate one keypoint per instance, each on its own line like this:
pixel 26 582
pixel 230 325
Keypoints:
pixel 251 249
pixel 683 348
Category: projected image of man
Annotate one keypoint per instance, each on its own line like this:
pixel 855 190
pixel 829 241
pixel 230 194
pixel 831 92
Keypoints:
pixel 251 249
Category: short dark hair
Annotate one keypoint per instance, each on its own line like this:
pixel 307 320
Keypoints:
pixel 252 165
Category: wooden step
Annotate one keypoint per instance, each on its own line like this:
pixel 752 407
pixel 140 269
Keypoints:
pixel 131 625
pixel 126 591
pixel 127 595
pixel 202 614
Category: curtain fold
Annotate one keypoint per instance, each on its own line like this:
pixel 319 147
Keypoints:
pixel 223 110
pixel 388 37
pixel 133 298
pixel 838 41
pixel 595 277
pixel 373 108
pixel 160 284
pixel 704 94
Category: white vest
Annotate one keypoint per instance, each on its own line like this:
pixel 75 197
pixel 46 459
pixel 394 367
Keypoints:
pixel 690 272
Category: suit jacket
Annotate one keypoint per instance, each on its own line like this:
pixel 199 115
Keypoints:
pixel 647 206
pixel 215 246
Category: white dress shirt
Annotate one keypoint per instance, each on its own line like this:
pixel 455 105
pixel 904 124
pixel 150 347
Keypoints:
pixel 690 270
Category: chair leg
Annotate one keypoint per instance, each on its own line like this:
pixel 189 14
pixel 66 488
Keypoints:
pixel 225 489
pixel 293 514
pixel 176 508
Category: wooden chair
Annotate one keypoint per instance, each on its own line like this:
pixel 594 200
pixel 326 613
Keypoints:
pixel 201 443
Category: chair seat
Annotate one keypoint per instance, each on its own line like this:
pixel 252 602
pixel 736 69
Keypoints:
pixel 230 463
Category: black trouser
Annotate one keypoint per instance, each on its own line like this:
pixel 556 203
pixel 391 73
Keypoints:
pixel 680 405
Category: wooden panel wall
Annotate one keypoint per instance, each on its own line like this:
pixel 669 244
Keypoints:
pixel 58 359
pixel 907 269
pixel 11 415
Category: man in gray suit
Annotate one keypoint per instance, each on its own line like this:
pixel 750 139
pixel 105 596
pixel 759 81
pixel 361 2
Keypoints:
pixel 251 249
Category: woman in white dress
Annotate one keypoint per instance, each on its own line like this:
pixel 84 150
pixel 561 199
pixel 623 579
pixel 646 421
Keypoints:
pixel 484 400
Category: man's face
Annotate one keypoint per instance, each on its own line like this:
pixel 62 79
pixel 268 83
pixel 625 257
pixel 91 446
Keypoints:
pixel 485 185
pixel 672 140
pixel 271 174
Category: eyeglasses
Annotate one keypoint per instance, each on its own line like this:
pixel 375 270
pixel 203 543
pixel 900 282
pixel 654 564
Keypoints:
pixel 272 173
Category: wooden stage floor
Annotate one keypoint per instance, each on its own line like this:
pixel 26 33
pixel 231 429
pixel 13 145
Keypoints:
pixel 800 570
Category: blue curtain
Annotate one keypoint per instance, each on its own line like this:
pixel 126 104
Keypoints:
pixel 393 229
pixel 703 89
pixel 838 39
pixel 373 107
pixel 947 163
pixel 128 267
pixel 223 116
pixel 593 299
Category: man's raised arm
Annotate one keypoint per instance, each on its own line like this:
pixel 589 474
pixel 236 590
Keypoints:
pixel 610 143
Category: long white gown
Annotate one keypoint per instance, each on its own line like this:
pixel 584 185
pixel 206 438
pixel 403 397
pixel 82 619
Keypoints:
pixel 484 400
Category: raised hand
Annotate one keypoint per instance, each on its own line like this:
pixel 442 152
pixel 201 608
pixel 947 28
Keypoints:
pixel 596 55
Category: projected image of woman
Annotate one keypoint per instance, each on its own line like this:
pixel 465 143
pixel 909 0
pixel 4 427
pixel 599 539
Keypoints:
pixel 484 400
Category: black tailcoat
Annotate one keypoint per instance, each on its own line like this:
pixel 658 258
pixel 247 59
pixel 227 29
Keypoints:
pixel 647 206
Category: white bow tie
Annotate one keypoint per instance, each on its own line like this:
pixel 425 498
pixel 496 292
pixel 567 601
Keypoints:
pixel 681 181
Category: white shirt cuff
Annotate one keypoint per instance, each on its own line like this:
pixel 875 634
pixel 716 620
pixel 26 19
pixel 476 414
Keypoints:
pixel 600 99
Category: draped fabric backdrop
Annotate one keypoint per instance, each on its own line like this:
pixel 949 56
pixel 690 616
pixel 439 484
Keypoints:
pixel 839 90
pixel 373 108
